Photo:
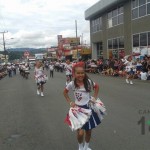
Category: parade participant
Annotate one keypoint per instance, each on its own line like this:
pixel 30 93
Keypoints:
pixel 51 68
pixel 40 77
pixel 26 70
pixel 68 69
pixel 9 70
pixel 130 70
pixel 82 87
pixel 13 69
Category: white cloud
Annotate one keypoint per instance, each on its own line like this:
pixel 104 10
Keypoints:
pixel 36 23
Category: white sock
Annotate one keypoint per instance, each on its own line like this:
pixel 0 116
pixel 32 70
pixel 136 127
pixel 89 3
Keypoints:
pixel 80 146
pixel 86 145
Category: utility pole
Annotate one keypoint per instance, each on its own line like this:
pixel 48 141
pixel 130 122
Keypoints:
pixel 82 39
pixel 4 42
pixel 76 39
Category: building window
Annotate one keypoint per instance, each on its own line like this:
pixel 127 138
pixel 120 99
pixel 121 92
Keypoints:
pixel 115 17
pixel 116 47
pixel 148 8
pixel 96 25
pixel 110 24
pixel 134 3
pixel 114 21
pixel 135 13
pixel 140 8
pixel 136 40
pixel 143 39
pixel 120 19
pixel 142 2
pixel 148 38
pixel 109 44
pixel 121 42
pixel 115 43
pixel 141 43
pixel 99 47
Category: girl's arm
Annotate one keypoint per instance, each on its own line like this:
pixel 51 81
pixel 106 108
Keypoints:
pixel 71 103
pixel 96 90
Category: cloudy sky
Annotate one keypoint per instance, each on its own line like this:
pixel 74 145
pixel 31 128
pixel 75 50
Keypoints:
pixel 36 23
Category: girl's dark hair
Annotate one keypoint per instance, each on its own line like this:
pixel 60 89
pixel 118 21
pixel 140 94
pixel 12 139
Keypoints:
pixel 88 83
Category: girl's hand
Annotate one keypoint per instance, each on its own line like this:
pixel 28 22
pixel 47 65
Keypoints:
pixel 72 104
pixel 93 99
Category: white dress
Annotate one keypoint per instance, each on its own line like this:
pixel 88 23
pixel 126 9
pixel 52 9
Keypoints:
pixel 40 77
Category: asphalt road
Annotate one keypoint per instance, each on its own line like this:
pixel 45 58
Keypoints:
pixel 31 122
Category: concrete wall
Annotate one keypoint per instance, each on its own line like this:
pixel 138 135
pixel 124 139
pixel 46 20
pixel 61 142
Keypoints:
pixel 127 28
pixel 141 25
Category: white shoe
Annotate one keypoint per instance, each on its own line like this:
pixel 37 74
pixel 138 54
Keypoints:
pixel 127 81
pixel 42 94
pixel 81 146
pixel 67 83
pixel 38 92
pixel 87 148
pixel 131 82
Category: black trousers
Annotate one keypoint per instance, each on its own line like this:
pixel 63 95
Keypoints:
pixel 51 73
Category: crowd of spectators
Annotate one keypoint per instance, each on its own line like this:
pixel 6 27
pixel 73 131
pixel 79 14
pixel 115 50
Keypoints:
pixel 111 67
pixel 108 67
pixel 3 71
pixel 116 67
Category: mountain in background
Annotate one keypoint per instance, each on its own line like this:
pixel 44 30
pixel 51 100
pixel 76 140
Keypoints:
pixel 27 49
pixel 18 53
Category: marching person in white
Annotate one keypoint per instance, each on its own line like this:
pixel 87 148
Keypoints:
pixel 40 77
pixel 68 69
pixel 9 70
pixel 130 70
pixel 26 70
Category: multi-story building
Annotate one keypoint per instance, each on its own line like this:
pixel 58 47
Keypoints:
pixel 70 48
pixel 119 27
pixel 3 58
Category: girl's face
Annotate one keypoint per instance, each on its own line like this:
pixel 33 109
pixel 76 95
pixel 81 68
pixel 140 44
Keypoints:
pixel 130 58
pixel 79 73
pixel 39 64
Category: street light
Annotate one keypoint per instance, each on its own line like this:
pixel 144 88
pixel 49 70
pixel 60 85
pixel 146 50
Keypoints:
pixel 4 44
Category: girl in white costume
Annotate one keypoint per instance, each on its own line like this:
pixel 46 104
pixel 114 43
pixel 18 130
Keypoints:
pixel 130 70
pixel 40 77
pixel 82 87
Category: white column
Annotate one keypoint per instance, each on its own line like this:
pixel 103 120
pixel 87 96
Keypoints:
pixel 94 51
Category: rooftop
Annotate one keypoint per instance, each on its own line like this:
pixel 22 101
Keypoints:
pixel 100 7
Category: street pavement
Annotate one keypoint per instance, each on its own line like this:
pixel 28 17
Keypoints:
pixel 32 122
